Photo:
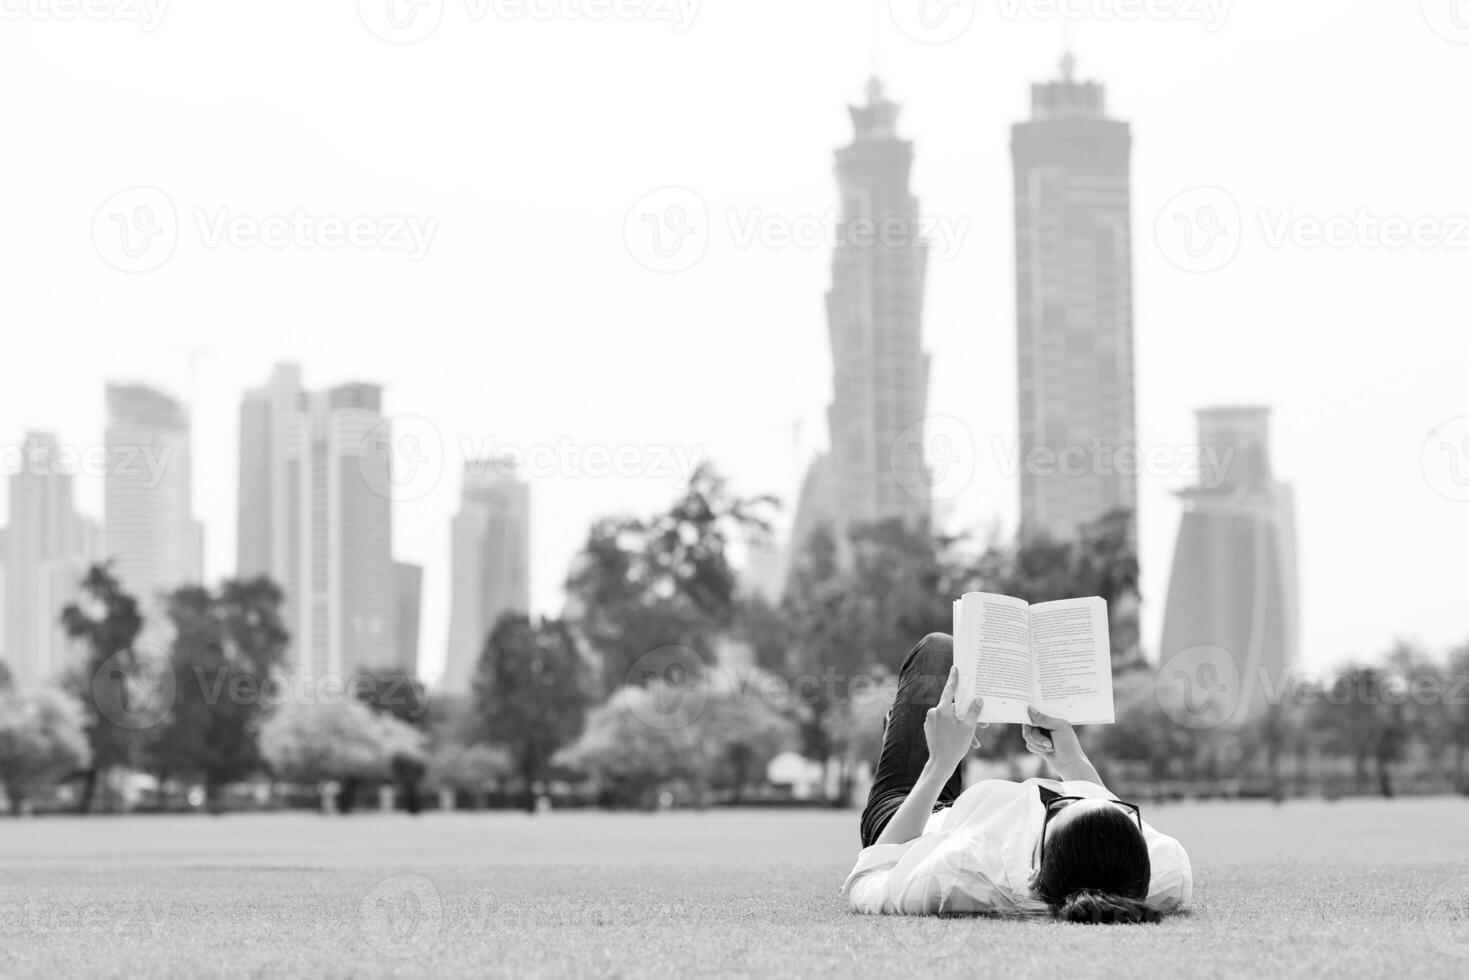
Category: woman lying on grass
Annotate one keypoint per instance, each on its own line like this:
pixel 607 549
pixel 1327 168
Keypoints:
pixel 1066 846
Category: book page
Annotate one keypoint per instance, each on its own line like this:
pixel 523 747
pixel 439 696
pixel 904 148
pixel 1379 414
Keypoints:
pixel 992 651
pixel 1073 660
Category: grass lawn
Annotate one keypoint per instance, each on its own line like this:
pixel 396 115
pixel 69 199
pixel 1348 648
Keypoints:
pixel 1318 889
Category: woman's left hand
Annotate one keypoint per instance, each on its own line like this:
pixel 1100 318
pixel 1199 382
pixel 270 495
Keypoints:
pixel 949 734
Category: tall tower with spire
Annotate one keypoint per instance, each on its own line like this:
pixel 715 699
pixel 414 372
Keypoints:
pixel 875 318
pixel 1073 277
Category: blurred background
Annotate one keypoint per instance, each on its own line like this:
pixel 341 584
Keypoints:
pixel 471 403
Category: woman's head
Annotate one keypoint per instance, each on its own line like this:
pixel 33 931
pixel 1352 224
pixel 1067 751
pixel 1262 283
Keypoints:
pixel 1094 864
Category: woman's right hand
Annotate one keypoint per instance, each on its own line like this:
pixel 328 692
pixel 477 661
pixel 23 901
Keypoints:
pixel 1055 741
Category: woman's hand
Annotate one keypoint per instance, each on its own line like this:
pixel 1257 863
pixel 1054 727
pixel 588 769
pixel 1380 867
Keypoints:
pixel 949 734
pixel 1055 741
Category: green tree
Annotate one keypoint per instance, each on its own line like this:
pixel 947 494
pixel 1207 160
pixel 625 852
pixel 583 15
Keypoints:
pixel 108 620
pixel 631 758
pixel 345 741
pixel 1456 711
pixel 855 612
pixel 396 693
pixel 717 732
pixel 642 585
pixel 530 694
pixel 1101 561
pixel 1358 720
pixel 226 646
pixel 42 739
pixel 468 768
pixel 742 730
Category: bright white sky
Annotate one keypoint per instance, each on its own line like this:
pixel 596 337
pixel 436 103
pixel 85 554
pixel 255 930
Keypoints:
pixel 527 321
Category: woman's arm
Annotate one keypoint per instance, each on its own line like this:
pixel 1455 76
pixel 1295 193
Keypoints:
pixel 1055 741
pixel 910 819
pixel 950 736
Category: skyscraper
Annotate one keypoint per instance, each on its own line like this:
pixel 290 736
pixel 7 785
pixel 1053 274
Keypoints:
pixel 315 515
pixel 152 538
pixel 408 579
pixel 875 468
pixel 264 506
pixel 340 581
pixel 490 563
pixel 45 556
pixel 1233 585
pixel 1073 255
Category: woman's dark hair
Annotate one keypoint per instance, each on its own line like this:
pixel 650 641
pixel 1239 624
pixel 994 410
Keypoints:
pixel 1096 869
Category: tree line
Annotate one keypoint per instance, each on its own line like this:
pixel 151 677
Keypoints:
pixel 665 681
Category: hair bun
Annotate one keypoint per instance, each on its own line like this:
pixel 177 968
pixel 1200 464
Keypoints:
pixel 1096 906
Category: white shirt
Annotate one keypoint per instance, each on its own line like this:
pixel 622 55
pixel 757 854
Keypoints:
pixel 976 856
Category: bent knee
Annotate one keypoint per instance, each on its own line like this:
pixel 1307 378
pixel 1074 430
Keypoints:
pixel 937 644
pixel 933 654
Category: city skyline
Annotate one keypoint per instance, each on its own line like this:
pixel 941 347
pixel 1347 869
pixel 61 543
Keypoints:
pixel 315 516
pixel 1333 337
pixel 148 522
pixel 1073 289
pixel 875 467
pixel 1233 594
pixel 490 554
pixel 43 556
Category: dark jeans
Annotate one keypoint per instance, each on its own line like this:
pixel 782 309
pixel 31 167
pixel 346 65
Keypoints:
pixel 904 749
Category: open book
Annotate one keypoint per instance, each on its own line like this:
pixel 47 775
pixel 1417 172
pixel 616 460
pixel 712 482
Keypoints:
pixel 1053 655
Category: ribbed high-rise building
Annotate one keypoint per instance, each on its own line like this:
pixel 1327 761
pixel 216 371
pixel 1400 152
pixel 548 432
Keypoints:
pixel 340 577
pixel 408 578
pixel 45 554
pixel 1073 273
pixel 152 538
pixel 875 468
pixel 489 544
pixel 1233 589
pixel 265 417
pixel 315 515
